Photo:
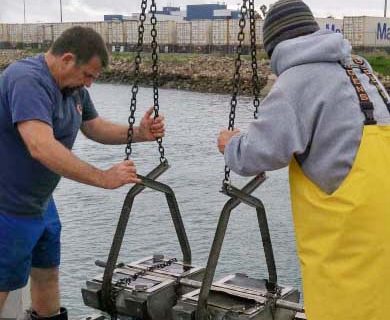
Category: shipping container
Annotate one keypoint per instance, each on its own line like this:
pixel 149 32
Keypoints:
pixel 33 34
pixel 59 28
pixel 220 32
pixel 100 27
pixel 367 31
pixel 48 35
pixel 361 31
pixel 115 32
pixel 331 24
pixel 259 32
pixel 15 33
pixel 183 33
pixel 225 32
pixel 130 29
pixel 201 32
pixel 4 35
pixel 234 30
pixel 166 32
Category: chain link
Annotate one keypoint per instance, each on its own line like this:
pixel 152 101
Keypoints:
pixel 237 76
pixel 156 106
pixel 125 282
pixel 133 105
pixel 134 89
pixel 255 76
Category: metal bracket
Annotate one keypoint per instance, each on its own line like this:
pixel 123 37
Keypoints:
pixel 237 196
pixel 148 181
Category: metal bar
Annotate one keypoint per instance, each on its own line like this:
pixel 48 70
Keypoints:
pixel 155 185
pixel 107 302
pixel 264 230
pixel 268 251
pixel 284 304
pixel 154 174
pixel 234 192
pixel 179 227
pixel 201 312
pixel 290 305
pixel 175 214
pixel 190 283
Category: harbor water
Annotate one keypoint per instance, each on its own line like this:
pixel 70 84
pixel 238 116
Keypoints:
pixel 89 215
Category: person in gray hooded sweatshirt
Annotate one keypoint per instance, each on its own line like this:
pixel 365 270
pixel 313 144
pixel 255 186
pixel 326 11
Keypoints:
pixel 326 117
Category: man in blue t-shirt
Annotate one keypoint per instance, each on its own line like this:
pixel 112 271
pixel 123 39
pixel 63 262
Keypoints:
pixel 43 104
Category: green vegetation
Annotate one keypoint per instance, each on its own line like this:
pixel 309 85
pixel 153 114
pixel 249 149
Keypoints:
pixel 380 63
pixel 379 60
pixel 179 58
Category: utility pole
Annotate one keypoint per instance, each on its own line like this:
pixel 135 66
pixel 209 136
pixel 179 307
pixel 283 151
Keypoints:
pixel 385 9
pixel 24 11
pixel 61 9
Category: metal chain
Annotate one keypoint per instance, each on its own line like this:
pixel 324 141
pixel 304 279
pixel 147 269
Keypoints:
pixel 121 284
pixel 237 76
pixel 134 89
pixel 125 282
pixel 156 106
pixel 255 76
pixel 133 104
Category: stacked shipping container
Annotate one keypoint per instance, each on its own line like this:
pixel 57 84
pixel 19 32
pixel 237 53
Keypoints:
pixel 332 24
pixel 211 34
pixel 166 32
pixel 201 32
pixel 183 33
pixel 367 31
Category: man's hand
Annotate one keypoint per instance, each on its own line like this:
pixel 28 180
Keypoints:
pixel 224 138
pixel 43 147
pixel 119 175
pixel 150 128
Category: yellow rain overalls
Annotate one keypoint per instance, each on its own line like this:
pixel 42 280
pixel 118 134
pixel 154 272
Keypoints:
pixel 343 238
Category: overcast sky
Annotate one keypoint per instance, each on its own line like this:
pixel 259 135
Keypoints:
pixel 93 10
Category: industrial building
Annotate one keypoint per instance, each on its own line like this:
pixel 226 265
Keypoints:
pixel 192 12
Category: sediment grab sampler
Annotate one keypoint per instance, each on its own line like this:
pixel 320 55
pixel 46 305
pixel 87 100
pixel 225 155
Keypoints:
pixel 166 288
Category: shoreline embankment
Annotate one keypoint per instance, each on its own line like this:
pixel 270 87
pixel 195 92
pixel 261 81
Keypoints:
pixel 194 72
pixel 208 73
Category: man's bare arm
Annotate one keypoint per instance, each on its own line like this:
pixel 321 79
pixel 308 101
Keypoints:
pixel 106 132
pixel 42 145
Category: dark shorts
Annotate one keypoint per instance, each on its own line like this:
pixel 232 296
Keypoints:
pixel 27 242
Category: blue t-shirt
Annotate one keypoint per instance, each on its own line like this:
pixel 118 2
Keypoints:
pixel 29 92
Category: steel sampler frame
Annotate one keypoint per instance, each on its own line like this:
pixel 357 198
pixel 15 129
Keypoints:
pixel 237 196
pixel 148 181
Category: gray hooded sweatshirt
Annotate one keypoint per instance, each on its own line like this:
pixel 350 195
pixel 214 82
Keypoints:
pixel 312 112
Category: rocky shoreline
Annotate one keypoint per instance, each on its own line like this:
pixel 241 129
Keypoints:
pixel 201 73
pixel 193 72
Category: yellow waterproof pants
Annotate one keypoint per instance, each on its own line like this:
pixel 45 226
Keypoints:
pixel 344 238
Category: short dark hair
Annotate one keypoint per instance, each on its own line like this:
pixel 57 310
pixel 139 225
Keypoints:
pixel 84 43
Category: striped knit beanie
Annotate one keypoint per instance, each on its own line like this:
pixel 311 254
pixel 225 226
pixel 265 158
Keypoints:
pixel 287 19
